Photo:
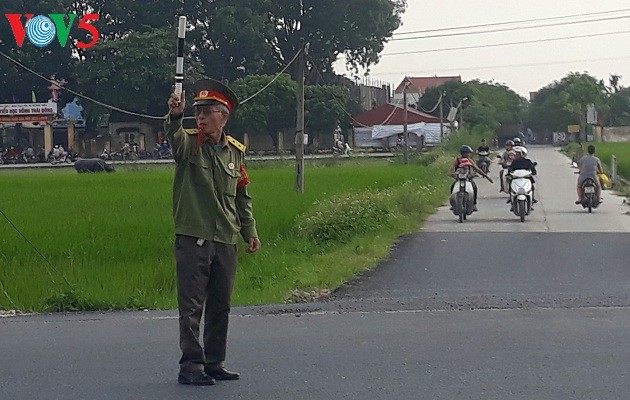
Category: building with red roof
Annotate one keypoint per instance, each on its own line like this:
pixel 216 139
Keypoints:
pixel 392 114
pixel 417 86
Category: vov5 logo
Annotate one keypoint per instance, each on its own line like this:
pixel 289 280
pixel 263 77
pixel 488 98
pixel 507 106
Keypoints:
pixel 41 29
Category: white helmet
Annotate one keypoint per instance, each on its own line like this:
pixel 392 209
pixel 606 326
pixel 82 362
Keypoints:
pixel 520 149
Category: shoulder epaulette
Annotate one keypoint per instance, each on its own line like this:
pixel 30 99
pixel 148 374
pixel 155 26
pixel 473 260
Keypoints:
pixel 236 143
pixel 191 131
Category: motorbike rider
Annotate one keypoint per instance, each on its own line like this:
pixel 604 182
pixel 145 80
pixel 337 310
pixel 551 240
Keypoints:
pixel 518 141
pixel 465 161
pixel 483 148
pixel 521 162
pixel 589 166
pixel 56 152
pixel 28 154
pixel 505 161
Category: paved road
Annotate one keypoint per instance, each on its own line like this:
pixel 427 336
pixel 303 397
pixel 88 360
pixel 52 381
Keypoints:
pixel 488 309
pixel 556 211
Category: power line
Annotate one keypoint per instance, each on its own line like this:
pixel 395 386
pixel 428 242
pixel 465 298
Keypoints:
pixel 483 46
pixel 510 22
pixel 49 265
pixel 510 29
pixel 507 66
pixel 275 77
pixel 113 108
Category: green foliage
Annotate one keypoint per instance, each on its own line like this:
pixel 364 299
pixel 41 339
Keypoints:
pixel 486 106
pixel 506 106
pixel 619 108
pixel 565 103
pixel 339 219
pixel 453 92
pixel 134 72
pixel 547 111
pixel 271 111
pixel 461 137
pixel 605 151
pixel 326 106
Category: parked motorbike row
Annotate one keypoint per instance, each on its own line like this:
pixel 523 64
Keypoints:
pixel 132 153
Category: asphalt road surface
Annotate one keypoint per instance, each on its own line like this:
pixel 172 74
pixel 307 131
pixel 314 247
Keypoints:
pixel 489 309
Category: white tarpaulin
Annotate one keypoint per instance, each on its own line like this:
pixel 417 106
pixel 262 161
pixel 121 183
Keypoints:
pixel 364 137
pixel 430 131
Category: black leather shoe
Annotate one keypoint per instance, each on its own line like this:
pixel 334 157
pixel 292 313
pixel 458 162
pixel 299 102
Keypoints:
pixel 222 374
pixel 578 202
pixel 197 378
pixel 534 201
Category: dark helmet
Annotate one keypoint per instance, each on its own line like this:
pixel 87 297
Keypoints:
pixel 518 141
pixel 509 143
pixel 465 149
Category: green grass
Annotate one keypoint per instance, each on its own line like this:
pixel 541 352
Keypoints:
pixel 109 237
pixel 605 151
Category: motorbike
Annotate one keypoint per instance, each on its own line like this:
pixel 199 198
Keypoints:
pixel 590 199
pixel 521 192
pixel 61 158
pixel 29 159
pixel 483 161
pixel 463 196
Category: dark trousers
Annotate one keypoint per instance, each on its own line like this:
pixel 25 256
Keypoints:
pixel 205 276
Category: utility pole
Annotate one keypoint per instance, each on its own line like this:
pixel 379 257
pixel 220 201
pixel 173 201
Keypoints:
pixel 441 116
pixel 299 132
pixel 405 133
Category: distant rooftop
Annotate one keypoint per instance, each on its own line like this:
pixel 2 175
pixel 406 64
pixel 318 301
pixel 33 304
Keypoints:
pixel 420 84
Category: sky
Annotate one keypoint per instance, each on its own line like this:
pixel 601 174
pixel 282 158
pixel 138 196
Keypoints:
pixel 522 67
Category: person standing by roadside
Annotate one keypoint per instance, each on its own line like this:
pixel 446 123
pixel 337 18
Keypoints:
pixel 211 207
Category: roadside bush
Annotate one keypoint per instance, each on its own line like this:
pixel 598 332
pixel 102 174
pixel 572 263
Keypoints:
pixel 461 137
pixel 340 218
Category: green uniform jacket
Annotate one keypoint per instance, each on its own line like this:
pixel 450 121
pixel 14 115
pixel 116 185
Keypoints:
pixel 206 201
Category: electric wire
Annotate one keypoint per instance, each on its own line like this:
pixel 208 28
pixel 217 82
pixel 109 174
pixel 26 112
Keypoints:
pixel 49 265
pixel 113 108
pixel 510 22
pixel 483 46
pixel 509 29
pixel 507 66
pixel 275 77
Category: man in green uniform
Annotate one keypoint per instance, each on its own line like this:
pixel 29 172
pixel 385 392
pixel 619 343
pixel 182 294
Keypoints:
pixel 211 208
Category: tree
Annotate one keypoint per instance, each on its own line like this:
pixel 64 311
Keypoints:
pixel 16 83
pixel 327 106
pixel 356 28
pixel 235 39
pixel 271 111
pixel 486 105
pixel 579 91
pixel 547 113
pixel 452 91
pixel 131 75
pixel 619 108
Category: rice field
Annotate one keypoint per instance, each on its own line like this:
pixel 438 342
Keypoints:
pixel 605 151
pixel 107 238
